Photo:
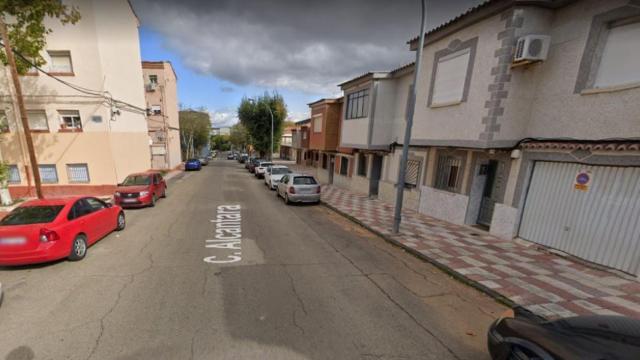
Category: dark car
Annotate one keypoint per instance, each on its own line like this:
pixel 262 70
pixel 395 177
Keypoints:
pixel 243 158
pixel 142 189
pixel 253 164
pixel 192 164
pixel 231 156
pixel 519 334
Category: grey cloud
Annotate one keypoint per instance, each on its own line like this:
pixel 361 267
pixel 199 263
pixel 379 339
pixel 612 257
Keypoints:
pixel 300 45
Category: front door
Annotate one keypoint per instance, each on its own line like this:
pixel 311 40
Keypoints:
pixel 488 201
pixel 376 172
pixel 332 167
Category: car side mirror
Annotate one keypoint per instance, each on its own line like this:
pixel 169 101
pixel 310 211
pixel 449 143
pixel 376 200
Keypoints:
pixel 119 184
pixel 109 205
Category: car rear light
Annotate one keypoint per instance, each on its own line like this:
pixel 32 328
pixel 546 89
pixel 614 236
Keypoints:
pixel 318 190
pixel 47 235
pixel 292 190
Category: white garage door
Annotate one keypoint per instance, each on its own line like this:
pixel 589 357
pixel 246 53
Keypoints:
pixel 592 212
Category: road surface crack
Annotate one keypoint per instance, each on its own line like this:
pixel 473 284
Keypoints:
pixel 294 313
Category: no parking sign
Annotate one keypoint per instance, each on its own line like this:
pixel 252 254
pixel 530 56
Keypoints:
pixel 582 180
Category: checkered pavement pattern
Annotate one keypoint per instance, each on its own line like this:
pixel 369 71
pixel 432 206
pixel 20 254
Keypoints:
pixel 547 284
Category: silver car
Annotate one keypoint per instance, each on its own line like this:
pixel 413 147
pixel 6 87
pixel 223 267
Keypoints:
pixel 273 175
pixel 261 168
pixel 299 188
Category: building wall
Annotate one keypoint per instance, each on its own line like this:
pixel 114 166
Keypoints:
pixel 105 55
pixel 355 132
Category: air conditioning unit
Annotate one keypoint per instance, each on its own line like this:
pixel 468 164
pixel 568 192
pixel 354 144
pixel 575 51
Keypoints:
pixel 532 48
pixel 151 87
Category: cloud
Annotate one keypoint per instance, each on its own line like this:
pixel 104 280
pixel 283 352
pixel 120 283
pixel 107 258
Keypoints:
pixel 224 117
pixel 307 46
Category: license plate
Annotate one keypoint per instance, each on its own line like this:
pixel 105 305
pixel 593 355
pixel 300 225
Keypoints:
pixel 306 191
pixel 129 200
pixel 13 241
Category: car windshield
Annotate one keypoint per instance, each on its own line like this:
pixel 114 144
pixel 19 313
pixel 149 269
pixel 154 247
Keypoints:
pixel 279 171
pixel 304 180
pixel 32 215
pixel 137 180
pixel 266 164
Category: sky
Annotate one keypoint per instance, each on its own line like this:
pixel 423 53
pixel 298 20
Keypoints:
pixel 223 50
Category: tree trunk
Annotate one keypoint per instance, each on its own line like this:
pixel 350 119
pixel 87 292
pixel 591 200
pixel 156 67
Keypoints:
pixel 23 111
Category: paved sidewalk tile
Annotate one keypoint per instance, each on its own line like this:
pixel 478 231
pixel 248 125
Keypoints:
pixel 543 282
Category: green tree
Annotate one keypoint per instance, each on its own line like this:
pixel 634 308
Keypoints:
pixel 220 142
pixel 26 34
pixel 195 127
pixel 255 116
pixel 239 138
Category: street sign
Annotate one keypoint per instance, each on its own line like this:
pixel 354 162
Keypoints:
pixel 582 180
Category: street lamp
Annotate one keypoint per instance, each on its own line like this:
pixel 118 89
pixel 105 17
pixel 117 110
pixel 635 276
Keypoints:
pixel 253 101
pixel 397 215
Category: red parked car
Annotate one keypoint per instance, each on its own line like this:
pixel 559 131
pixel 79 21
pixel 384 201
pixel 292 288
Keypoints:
pixel 142 189
pixel 51 229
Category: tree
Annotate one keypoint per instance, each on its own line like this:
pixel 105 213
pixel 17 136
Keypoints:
pixel 195 127
pixel 239 138
pixel 255 116
pixel 220 142
pixel 25 35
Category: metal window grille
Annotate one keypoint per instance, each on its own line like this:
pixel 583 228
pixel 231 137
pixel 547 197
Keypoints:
pixel 48 174
pixel 14 174
pixel 344 166
pixel 78 173
pixel 362 165
pixel 449 173
pixel 412 173
pixel 357 104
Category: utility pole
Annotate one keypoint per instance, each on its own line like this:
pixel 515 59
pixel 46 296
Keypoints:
pixel 397 215
pixel 23 111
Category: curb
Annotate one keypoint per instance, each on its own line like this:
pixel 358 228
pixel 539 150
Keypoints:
pixel 446 269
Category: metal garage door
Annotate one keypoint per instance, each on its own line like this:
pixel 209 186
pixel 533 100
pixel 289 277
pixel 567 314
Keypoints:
pixel 592 212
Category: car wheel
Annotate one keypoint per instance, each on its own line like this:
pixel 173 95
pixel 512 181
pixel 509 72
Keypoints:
pixel 153 200
pixel 78 248
pixel 164 193
pixel 277 193
pixel 122 222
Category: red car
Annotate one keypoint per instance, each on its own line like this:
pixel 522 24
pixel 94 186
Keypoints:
pixel 142 189
pixel 51 229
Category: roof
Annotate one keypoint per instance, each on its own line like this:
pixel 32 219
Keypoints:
pixel 325 100
pixel 52 201
pixel 303 122
pixel 403 68
pixel 158 65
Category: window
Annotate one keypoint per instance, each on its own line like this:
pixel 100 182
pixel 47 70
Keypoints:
pixel 412 173
pixel 357 104
pixel 450 78
pixel 156 110
pixel 60 62
pixel 317 156
pixel 4 122
pixel 304 135
pixel 37 120
pixel 304 180
pixel 95 204
pixel 78 173
pixel 362 164
pixel 70 119
pixel 449 173
pixel 317 124
pixel 79 209
pixel 619 62
pixel 25 215
pixel 344 166
pixel 48 174
pixel 153 79
pixel 14 175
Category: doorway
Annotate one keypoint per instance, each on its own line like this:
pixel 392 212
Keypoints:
pixel 374 179
pixel 332 162
pixel 488 201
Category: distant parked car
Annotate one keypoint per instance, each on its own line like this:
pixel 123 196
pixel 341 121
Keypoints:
pixel 230 156
pixel 519 334
pixel 46 230
pixel 299 188
pixel 273 175
pixel 243 158
pixel 142 189
pixel 192 164
pixel 261 167
pixel 204 161
pixel 253 164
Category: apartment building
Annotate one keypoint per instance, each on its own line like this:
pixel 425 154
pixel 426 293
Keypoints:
pixel 286 141
pixel 85 142
pixel 526 124
pixel 324 137
pixel 161 93
pixel 300 142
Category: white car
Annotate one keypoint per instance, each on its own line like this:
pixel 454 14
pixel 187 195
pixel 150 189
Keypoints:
pixel 273 175
pixel 261 168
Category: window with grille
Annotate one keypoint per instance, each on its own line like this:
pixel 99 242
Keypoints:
pixel 449 173
pixel 4 122
pixel 37 120
pixel 357 104
pixel 48 174
pixel 412 173
pixel 60 62
pixel 362 164
pixel 344 166
pixel 70 119
pixel 78 173
pixel 14 174
pixel 153 79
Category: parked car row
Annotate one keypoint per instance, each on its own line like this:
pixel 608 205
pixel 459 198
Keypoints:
pixel 291 187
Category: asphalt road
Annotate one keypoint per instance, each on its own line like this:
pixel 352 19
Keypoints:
pixel 308 285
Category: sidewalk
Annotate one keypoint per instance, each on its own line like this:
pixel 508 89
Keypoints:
pixel 545 283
